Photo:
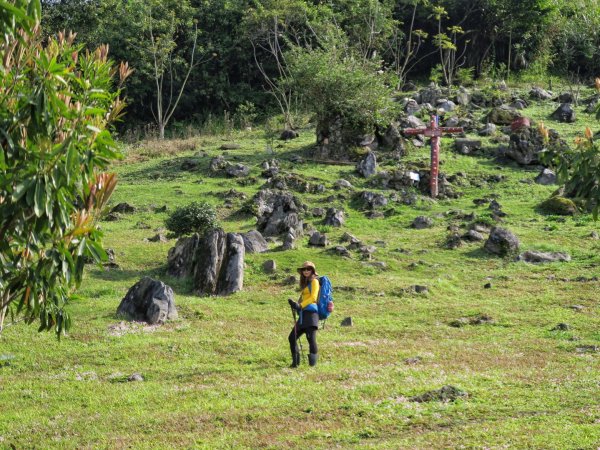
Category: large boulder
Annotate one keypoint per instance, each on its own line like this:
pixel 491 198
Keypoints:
pixel 502 242
pixel 215 262
pixel 526 144
pixel 150 301
pixel 537 257
pixel 254 242
pixel 503 115
pixel 560 206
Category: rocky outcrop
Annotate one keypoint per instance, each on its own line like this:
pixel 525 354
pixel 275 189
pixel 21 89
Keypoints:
pixel 215 262
pixel 277 212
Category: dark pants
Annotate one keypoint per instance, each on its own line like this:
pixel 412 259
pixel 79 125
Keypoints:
pixel 311 335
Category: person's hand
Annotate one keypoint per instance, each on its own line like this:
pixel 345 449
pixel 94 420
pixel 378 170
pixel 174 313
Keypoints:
pixel 293 304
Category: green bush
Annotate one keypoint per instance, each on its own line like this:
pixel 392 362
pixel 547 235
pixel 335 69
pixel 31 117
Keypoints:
pixel 197 217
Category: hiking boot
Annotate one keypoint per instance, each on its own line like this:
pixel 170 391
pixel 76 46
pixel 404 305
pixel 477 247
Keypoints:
pixel 312 359
pixel 295 360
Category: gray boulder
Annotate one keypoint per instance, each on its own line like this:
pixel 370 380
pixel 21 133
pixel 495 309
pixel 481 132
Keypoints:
pixel 334 217
pixel 422 222
pixel 503 115
pixel 237 170
pixel 412 107
pixel 254 242
pixel 502 242
pixel 149 301
pixel 277 212
pixel 488 130
pixel 536 257
pixel 367 167
pixel 564 113
pixel 217 164
pixel 546 177
pixel 373 200
pixel 215 262
pixel 540 94
pixel 392 139
pixel 123 208
pixel 286 135
pixel 318 240
pixel 431 94
pixel 467 146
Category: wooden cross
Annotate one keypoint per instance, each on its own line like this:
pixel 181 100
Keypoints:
pixel 434 131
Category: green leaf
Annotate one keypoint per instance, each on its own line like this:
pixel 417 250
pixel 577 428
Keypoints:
pixel 21 190
pixel 39 205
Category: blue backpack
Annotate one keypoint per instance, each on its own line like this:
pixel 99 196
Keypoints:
pixel 325 300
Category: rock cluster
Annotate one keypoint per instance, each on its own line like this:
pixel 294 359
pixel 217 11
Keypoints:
pixel 214 262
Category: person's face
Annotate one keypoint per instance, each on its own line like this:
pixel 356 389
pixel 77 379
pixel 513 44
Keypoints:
pixel 306 272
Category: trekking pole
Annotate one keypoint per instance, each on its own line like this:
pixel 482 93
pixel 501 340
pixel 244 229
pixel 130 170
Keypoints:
pixel 296 332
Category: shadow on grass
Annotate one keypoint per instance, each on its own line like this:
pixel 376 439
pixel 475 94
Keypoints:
pixel 171 169
pixel 480 253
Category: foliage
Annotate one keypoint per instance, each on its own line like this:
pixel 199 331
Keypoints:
pixel 197 217
pixel 579 170
pixel 57 104
pixel 334 84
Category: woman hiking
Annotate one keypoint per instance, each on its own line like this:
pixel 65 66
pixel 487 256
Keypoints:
pixel 308 320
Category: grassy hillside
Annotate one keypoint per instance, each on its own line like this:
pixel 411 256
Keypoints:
pixel 218 376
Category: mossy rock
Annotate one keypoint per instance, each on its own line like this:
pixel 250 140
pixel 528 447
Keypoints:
pixel 560 206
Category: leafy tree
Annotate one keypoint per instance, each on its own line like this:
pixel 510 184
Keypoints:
pixel 578 169
pixel 57 103
pixel 334 85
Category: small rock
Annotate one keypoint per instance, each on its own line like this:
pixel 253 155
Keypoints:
pixel 412 361
pixel 487 286
pixel 158 238
pixel 577 308
pixel 339 184
pixel 467 146
pixel 444 394
pixel 420 289
pixel 123 208
pixel 269 266
pixel 290 280
pixel 286 135
pixel 588 349
pixel 594 235
pixel 473 236
pixel 422 222
pixel 459 323
pixel 341 251
pixel 347 322
pixel 136 377
pixel 561 327
pixel 230 146
pixel 334 217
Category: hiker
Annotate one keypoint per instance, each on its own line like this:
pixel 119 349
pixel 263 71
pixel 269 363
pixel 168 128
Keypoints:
pixel 308 320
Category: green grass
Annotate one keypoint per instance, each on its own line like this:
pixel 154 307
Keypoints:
pixel 218 376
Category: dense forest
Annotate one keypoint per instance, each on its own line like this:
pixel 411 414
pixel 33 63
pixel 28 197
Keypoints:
pixel 240 59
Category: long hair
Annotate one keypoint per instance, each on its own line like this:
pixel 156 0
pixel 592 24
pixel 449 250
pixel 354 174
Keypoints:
pixel 305 280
